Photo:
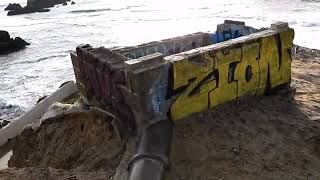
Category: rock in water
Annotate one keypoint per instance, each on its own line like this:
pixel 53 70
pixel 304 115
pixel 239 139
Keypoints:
pixel 27 10
pixel 36 6
pixel 45 3
pixel 13 7
pixel 72 2
pixel 8 113
pixel 4 123
pixel 4 36
pixel 8 45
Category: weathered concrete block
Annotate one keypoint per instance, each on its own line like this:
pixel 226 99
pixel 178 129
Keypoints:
pixel 232 69
pixel 279 26
pixel 184 75
pixel 144 61
pixel 167 46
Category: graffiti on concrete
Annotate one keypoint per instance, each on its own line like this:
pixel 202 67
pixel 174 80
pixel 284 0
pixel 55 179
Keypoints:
pixel 230 73
pixel 154 85
pixel 231 30
pixel 168 46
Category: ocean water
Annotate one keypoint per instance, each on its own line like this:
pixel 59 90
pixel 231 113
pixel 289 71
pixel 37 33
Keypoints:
pixel 40 68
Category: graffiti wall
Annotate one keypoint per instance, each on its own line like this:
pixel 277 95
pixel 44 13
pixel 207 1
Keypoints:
pixel 167 46
pixel 155 86
pixel 231 30
pixel 231 72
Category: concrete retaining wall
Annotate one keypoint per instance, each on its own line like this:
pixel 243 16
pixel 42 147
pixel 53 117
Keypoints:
pixel 157 85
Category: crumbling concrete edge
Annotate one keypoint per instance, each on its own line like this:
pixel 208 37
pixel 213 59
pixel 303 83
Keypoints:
pixel 17 126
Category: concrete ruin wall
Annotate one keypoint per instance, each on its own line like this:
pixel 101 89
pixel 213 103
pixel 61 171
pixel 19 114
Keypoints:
pixel 168 46
pixel 154 85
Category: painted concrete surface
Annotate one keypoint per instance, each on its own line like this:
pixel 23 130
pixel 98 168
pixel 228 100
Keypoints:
pixel 178 84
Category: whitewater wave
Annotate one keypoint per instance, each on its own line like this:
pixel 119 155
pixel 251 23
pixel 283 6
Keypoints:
pixel 9 112
pixel 41 59
pixel 90 10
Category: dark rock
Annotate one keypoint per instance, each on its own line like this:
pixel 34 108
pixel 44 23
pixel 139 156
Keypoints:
pixel 8 45
pixel 64 83
pixel 13 7
pixel 36 6
pixel 72 2
pixel 8 113
pixel 27 10
pixel 45 3
pixel 4 36
pixel 4 123
pixel 64 4
pixel 42 98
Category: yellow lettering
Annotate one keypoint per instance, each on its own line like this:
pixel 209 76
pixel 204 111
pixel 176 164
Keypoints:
pixel 197 79
pixel 227 88
pixel 247 71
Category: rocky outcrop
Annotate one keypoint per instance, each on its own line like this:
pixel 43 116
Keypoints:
pixel 8 113
pixel 45 3
pixel 27 10
pixel 36 6
pixel 4 123
pixel 13 7
pixel 8 44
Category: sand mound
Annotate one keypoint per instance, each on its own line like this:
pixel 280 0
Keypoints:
pixel 75 142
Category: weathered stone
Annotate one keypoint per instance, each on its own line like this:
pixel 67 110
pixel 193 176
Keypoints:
pixel 13 7
pixel 167 46
pixel 8 45
pixel 4 36
pixel 41 98
pixel 36 6
pixel 45 3
pixel 144 61
pixel 27 10
pixel 279 26
pixel 103 71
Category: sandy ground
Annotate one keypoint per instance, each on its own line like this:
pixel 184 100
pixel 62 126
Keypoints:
pixel 266 138
pixel 269 137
